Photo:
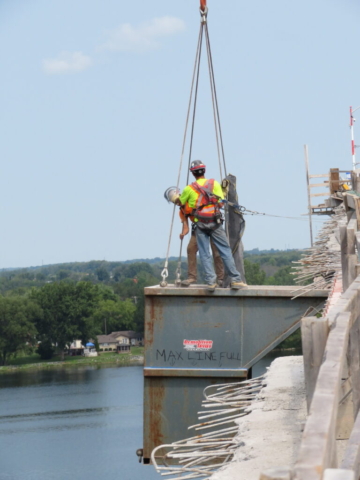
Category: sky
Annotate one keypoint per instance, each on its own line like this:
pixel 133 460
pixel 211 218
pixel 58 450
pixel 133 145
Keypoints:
pixel 93 103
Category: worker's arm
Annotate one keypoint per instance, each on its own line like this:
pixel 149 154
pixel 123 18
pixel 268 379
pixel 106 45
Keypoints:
pixel 185 228
pixel 185 223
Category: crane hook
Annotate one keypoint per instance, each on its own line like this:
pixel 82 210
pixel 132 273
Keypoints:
pixel 203 5
pixel 203 11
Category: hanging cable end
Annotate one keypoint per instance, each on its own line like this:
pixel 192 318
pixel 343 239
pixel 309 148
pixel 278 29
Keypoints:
pixel 203 13
pixel 164 275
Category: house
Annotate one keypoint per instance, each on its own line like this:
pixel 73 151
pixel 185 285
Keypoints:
pixel 76 348
pixel 120 341
pixel 136 339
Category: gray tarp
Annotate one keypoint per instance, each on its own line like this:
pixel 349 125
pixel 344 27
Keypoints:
pixel 236 227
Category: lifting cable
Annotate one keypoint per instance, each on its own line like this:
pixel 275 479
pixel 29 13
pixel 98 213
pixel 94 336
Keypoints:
pixel 218 132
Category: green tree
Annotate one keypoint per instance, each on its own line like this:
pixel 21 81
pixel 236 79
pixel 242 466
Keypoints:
pixel 102 274
pixel 113 315
pixel 254 274
pixel 96 343
pixel 17 329
pixel 46 349
pixel 282 277
pixel 67 310
pixel 62 274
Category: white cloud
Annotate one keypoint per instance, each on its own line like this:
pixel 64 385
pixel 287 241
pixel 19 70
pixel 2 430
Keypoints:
pixel 67 62
pixel 142 37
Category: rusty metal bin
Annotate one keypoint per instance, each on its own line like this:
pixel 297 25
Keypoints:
pixel 194 338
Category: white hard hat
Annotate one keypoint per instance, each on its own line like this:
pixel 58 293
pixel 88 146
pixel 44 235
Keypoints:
pixel 172 194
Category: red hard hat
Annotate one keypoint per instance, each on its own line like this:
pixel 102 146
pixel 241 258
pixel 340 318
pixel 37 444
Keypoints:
pixel 197 165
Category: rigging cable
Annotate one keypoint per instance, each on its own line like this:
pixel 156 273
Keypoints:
pixel 165 272
pixel 217 124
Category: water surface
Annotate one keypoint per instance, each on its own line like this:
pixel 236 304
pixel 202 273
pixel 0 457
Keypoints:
pixel 78 423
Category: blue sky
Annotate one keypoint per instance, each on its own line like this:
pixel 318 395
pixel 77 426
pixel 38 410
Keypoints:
pixel 93 101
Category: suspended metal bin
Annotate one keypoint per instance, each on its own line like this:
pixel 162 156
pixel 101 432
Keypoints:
pixel 194 338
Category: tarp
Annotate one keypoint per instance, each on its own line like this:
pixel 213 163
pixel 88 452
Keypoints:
pixel 236 228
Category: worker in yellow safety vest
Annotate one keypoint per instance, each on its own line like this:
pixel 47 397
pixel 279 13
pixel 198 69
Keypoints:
pixel 192 249
pixel 203 199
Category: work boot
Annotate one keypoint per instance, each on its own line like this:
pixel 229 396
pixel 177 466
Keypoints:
pixel 220 283
pixel 211 287
pixel 237 285
pixel 187 282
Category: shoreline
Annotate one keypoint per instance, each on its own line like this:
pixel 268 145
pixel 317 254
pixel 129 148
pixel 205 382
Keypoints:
pixel 119 360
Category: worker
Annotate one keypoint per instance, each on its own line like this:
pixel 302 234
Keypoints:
pixel 204 198
pixel 172 194
pixel 192 250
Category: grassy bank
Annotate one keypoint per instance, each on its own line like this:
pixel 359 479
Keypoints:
pixel 34 362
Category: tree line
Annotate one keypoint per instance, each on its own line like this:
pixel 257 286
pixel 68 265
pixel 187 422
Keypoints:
pixel 50 306
pixel 51 317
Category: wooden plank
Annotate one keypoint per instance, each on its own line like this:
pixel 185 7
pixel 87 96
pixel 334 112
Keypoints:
pixel 324 184
pixel 351 460
pixel 314 334
pixel 334 180
pixel 324 175
pixel 317 450
pixel 324 194
pixel 338 474
pixel 280 473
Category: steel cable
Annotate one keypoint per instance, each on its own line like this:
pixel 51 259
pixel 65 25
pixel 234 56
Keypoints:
pixel 218 132
pixel 165 272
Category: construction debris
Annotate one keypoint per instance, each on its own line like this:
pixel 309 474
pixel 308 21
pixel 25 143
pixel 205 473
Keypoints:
pixel 321 264
pixel 202 455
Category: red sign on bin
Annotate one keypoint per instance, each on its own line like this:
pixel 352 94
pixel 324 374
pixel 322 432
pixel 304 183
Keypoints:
pixel 198 344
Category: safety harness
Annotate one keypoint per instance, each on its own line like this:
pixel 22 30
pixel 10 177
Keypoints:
pixel 207 209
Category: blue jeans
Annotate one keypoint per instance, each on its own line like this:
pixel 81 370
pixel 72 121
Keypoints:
pixel 218 236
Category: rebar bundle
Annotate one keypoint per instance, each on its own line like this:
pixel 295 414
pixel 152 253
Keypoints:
pixel 202 455
pixel 321 264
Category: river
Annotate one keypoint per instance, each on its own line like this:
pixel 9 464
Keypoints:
pixel 78 423
pixel 74 423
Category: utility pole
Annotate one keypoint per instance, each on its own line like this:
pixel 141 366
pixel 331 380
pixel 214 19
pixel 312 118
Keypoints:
pixel 308 190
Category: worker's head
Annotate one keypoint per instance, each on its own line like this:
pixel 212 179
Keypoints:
pixel 197 168
pixel 172 195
